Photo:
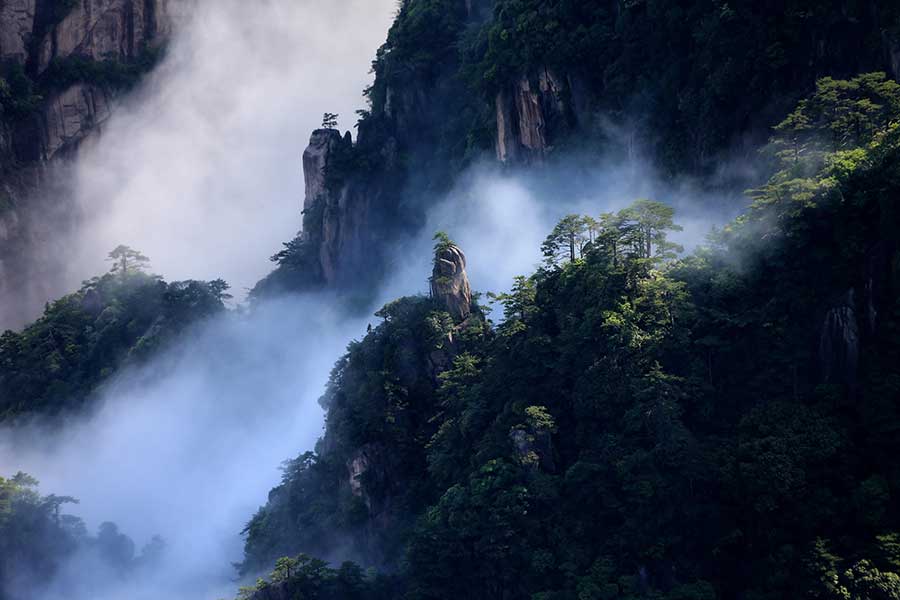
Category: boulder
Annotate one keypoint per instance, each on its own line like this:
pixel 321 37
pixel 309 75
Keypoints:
pixel 450 283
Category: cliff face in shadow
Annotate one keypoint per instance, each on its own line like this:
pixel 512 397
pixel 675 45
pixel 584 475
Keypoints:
pixel 528 84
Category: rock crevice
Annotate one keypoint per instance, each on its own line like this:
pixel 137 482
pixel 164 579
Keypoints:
pixel 530 115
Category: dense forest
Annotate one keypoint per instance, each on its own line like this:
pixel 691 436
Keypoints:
pixel 638 424
pixel 122 317
pixel 627 421
pixel 687 88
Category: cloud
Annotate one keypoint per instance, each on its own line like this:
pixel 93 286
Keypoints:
pixel 200 169
pixel 187 446
pixel 500 218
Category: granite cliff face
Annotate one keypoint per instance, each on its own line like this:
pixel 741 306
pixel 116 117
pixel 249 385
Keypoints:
pixel 36 34
pixel 336 213
pixel 450 283
pixel 105 29
pixel 892 49
pixel 39 41
pixel 16 25
pixel 530 115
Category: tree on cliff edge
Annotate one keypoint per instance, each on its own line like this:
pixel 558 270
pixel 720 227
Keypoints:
pixel 127 261
pixel 329 121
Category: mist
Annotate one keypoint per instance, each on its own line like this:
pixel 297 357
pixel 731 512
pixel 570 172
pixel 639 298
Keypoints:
pixel 200 170
pixel 500 218
pixel 187 446
pixel 200 167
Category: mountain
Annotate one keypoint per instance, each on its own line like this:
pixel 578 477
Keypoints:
pixel 637 425
pixel 629 420
pixel 63 64
pixel 531 83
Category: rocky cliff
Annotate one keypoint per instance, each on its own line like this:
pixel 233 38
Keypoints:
pixel 531 113
pixel 50 53
pixel 336 213
pixel 462 81
pixel 107 29
pixel 450 283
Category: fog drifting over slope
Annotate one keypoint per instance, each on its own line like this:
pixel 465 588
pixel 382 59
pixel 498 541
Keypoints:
pixel 188 446
pixel 200 168
pixel 202 173
pixel 500 218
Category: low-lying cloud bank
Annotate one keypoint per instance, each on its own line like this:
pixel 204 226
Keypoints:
pixel 201 172
pixel 187 446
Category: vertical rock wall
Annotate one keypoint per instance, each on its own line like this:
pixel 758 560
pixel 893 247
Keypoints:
pixel 530 116
pixel 35 219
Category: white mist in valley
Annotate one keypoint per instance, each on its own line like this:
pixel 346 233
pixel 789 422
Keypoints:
pixel 200 168
pixel 187 446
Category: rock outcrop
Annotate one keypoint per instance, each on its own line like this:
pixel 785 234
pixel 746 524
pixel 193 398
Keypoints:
pixel 368 462
pixel 530 116
pixel 336 211
pixel 109 29
pixel 891 42
pixel 450 283
pixel 73 115
pixel 34 33
pixel 839 343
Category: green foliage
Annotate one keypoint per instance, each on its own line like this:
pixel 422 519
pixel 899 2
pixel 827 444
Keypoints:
pixel 21 93
pixel 380 400
pixel 639 231
pixel 839 116
pixel 55 363
pixel 127 261
pixel 677 77
pixel 568 239
pixel 18 97
pixel 37 538
pixel 442 242
pixel 111 74
pixel 297 270
pixel 310 578
pixel 638 425
pixel 329 121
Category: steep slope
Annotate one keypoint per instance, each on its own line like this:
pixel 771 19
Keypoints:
pixel 62 65
pixel 55 364
pixel 528 83
pixel 638 426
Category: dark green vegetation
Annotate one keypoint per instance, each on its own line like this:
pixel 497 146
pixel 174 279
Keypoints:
pixel 305 577
pixel 124 316
pixel 22 94
pixel 694 77
pixel 638 425
pixel 692 86
pixel 688 79
pixel 36 538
